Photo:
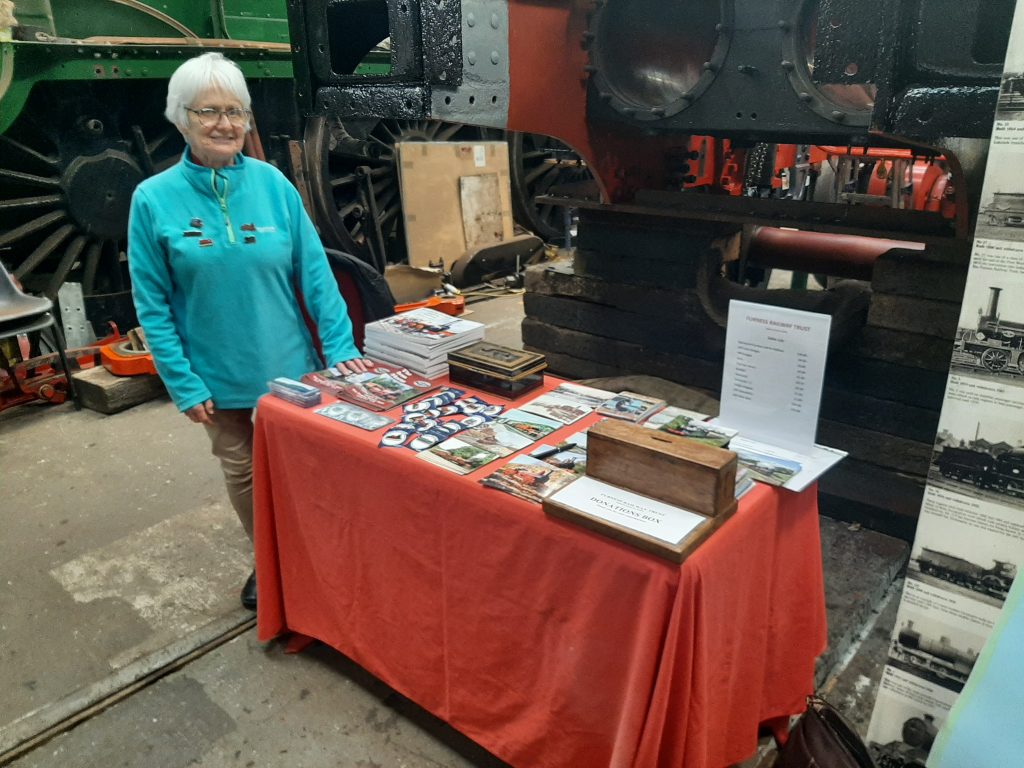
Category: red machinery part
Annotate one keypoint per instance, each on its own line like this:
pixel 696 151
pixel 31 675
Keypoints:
pixel 850 256
pixel 121 361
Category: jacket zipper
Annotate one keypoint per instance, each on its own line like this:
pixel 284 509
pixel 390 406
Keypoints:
pixel 223 200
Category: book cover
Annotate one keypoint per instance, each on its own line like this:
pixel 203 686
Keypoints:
pixel 630 406
pixel 528 478
pixel 425 328
pixel 383 387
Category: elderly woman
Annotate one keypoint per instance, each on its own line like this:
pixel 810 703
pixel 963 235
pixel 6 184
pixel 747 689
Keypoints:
pixel 218 245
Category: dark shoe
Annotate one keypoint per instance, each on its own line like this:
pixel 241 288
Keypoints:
pixel 249 592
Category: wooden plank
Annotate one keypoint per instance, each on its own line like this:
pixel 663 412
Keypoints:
pixel 683 333
pixel 886 381
pixel 915 350
pixel 635 270
pixel 663 241
pixel 569 367
pixel 100 390
pixel 921 276
pixel 898 453
pixel 601 357
pixel 430 174
pixel 901 526
pixel 560 280
pixel 913 315
pixel 885 416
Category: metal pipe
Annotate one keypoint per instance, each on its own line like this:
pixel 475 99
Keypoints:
pixel 850 256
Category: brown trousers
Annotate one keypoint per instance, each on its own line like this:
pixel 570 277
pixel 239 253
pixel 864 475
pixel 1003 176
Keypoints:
pixel 231 438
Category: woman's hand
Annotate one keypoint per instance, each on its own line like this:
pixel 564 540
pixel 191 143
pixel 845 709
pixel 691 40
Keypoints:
pixel 202 413
pixel 355 365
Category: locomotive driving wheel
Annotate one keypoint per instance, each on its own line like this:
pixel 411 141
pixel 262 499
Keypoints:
pixel 541 165
pixel 995 360
pixel 353 173
pixel 68 167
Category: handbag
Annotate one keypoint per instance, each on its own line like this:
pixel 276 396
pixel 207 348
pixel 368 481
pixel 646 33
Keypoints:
pixel 822 738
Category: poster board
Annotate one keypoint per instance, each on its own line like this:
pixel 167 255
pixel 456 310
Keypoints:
pixel 969 545
pixel 433 177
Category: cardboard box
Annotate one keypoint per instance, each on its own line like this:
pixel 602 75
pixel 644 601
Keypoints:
pixel 666 467
pixel 456 196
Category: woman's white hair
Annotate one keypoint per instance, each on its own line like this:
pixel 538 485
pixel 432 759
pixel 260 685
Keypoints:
pixel 210 70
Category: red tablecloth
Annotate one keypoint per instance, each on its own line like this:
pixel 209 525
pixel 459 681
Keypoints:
pixel 545 643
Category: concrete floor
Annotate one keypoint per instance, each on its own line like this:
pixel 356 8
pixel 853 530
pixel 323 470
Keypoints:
pixel 122 642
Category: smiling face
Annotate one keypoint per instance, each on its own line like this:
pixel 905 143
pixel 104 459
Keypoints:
pixel 214 146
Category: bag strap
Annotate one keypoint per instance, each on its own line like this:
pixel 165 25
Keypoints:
pixel 839 725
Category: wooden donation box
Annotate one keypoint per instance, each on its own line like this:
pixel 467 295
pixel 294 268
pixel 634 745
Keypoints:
pixel 659 492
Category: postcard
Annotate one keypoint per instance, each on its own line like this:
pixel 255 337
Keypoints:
pixel 457 456
pixel 528 478
pixel 668 413
pixel 629 406
pixel 354 416
pixel 699 431
pixel 796 470
pixel 530 424
pixel 496 437
pixel 554 406
pixel 582 394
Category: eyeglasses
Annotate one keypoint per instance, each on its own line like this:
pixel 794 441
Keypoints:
pixel 209 117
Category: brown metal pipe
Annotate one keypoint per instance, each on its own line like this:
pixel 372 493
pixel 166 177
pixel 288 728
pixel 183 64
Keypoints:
pixel 851 256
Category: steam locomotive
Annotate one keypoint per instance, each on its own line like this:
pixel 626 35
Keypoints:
pixel 1003 473
pixel 940 661
pixel 918 736
pixel 993 581
pixel 996 344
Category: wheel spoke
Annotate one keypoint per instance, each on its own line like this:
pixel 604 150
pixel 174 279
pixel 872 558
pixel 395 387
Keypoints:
pixel 92 261
pixel 39 157
pixel 343 180
pixel 348 209
pixel 43 250
pixel 164 164
pixel 29 178
pixel 389 214
pixel 21 203
pixel 546 181
pixel 32 227
pixel 383 201
pixel 66 263
pixel 447 132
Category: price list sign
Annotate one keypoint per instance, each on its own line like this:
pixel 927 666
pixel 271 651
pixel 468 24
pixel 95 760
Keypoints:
pixel 774 368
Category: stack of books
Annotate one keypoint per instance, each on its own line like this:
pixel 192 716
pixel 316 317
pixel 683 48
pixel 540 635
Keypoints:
pixel 420 340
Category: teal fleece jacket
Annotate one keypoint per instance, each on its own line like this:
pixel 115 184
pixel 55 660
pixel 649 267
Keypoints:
pixel 216 258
